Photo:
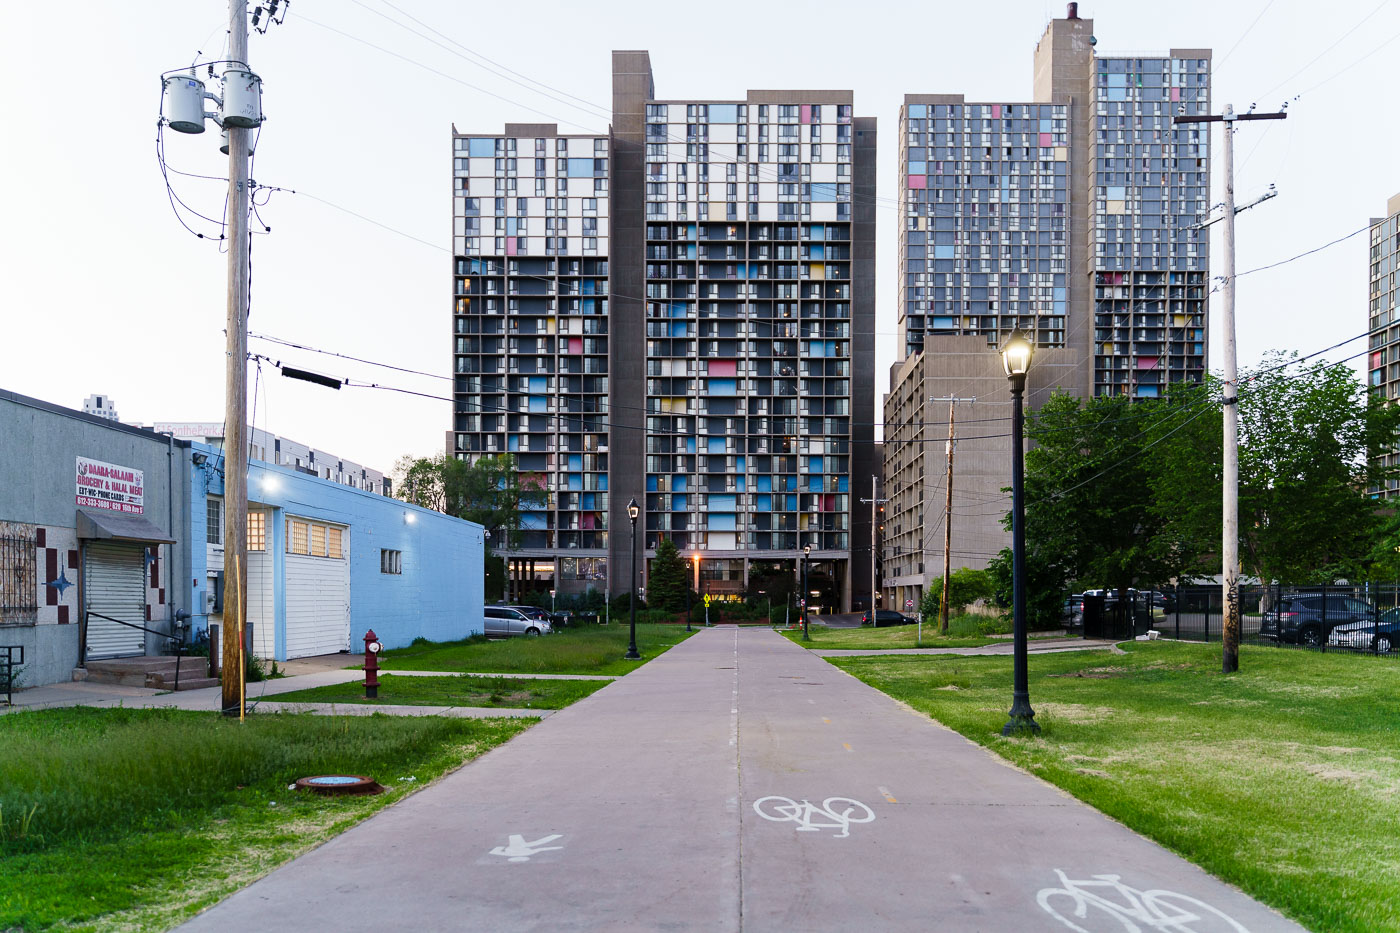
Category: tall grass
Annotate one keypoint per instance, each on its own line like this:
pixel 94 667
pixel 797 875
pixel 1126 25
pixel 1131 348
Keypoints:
pixel 68 776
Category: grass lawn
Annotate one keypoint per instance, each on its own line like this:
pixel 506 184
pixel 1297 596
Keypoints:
pixel 965 631
pixel 453 691
pixel 123 819
pixel 588 649
pixel 1283 779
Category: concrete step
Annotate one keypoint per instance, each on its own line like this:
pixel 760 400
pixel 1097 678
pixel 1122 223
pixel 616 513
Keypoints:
pixel 157 671
pixel 194 683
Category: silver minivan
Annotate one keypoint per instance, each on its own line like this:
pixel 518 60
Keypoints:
pixel 505 621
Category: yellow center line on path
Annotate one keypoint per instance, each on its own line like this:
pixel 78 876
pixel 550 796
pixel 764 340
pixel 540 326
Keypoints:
pixel 886 793
pixel 846 745
pixel 825 720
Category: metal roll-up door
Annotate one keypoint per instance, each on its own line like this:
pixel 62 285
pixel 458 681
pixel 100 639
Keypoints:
pixel 114 584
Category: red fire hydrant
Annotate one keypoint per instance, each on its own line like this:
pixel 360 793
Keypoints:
pixel 372 649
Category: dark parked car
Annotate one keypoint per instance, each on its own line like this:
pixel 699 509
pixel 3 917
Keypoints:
pixel 1309 618
pixel 1381 636
pixel 1072 613
pixel 887 617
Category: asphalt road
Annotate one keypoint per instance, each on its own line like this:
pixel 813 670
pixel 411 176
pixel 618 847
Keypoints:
pixel 738 782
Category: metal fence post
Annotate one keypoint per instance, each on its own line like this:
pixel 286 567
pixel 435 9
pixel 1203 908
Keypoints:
pixel 1176 603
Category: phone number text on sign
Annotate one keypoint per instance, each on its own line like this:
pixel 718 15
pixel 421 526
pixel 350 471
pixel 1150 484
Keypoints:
pixel 109 486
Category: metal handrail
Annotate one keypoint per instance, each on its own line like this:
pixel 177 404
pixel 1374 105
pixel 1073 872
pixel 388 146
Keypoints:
pixel 9 664
pixel 170 635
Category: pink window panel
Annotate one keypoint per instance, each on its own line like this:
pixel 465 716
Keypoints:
pixel 1147 362
pixel 806 113
pixel 724 368
pixel 1376 359
pixel 1176 93
pixel 575 344
pixel 918 181
pixel 586 521
pixel 996 111
pixel 510 246
pixel 1045 139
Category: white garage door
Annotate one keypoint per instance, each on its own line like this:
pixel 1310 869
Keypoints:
pixel 114 584
pixel 318 588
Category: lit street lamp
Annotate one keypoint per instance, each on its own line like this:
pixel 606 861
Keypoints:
pixel 688 565
pixel 632 511
pixel 1016 359
pixel 806 553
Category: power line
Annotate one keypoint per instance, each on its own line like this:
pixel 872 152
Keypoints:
pixel 1316 249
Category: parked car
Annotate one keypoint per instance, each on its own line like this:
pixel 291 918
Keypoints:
pixel 505 621
pixel 1381 636
pixel 1072 613
pixel 1309 618
pixel 887 617
pixel 534 612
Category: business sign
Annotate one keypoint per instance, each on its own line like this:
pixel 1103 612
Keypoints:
pixel 108 486
pixel 190 429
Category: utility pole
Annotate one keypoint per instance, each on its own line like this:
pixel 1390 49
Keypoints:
pixel 948 512
pixel 875 503
pixel 236 392
pixel 1230 481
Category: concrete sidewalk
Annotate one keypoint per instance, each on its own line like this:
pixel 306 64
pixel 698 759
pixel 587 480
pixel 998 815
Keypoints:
pixel 738 782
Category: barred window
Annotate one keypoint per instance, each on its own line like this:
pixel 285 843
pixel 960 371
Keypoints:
pixel 214 521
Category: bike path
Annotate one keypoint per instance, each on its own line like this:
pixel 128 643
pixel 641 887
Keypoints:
pixel 634 810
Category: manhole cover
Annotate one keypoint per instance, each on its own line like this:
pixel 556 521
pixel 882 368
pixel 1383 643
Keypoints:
pixel 339 784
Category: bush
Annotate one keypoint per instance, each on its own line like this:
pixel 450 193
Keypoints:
pixel 965 586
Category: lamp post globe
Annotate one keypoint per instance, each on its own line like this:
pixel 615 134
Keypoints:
pixel 633 510
pixel 1016 360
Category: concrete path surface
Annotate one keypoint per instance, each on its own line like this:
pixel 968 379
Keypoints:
pixel 738 782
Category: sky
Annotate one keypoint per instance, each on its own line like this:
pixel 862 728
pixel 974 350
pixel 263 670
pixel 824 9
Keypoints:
pixel 103 291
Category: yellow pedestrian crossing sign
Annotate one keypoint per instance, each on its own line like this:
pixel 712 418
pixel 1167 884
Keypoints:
pixel 707 599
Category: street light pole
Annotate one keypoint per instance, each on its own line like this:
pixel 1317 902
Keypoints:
pixel 1016 358
pixel 687 598
pixel 632 655
pixel 806 553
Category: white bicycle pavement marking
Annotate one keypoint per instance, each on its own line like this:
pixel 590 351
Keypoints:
pixel 518 850
pixel 837 813
pixel 1131 909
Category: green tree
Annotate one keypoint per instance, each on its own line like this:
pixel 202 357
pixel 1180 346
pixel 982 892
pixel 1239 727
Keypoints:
pixel 1046 585
pixel 667 585
pixel 965 585
pixel 490 492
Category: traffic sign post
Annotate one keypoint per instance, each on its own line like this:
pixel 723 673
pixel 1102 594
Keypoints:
pixel 707 610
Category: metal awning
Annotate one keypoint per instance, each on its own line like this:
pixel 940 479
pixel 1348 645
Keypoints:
pixel 118 526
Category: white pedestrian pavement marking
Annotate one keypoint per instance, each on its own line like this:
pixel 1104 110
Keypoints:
pixel 518 850
pixel 1129 908
pixel 837 813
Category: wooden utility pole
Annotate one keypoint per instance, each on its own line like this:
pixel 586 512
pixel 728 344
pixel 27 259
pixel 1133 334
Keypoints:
pixel 236 394
pixel 948 513
pixel 1230 480
pixel 875 503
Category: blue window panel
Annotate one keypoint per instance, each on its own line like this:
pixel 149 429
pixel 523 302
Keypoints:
pixel 539 384
pixel 739 464
pixel 714 445
pixel 722 522
pixel 742 270
pixel 945 323
pixel 818 232
pixel 789 503
pixel 724 113
pixel 816 348
pixel 918 168
pixel 814 484
pixel 679 484
pixel 690 234
pixel 534 522
pixel 739 480
pixel 603 481
pixel 843 484
pixel 765 484
pixel 723 501
pixel 589 305
pixel 817 251
pixel 580 168
pixel 943 252
pixel 539 403
pixel 513 442
pixel 481 148
pixel 512 225
pixel 589 500
pixel 763 503
pixel 679 504
pixel 814 465
pixel 916 111
pixel 678 328
pixel 790 485
pixel 723 387
pixel 690 445
pixel 1146 392
pixel 1045 126
pixel 1114 93
pixel 576 461
pixel 1117 192
pixel 823 191
pixel 677 309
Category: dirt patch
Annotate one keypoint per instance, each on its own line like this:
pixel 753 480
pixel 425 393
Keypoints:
pixel 1345 775
pixel 1093 772
pixel 948 687
pixel 1074 712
